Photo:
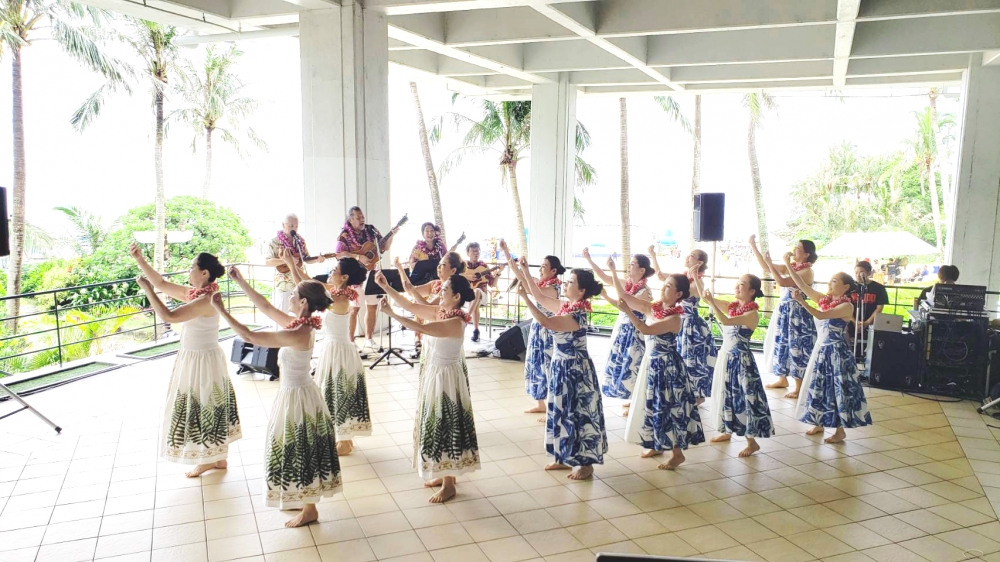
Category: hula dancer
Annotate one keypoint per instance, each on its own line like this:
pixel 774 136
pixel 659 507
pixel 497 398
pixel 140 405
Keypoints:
pixel 451 264
pixel 695 342
pixel 201 418
pixel 833 395
pixel 339 371
pixel 300 454
pixel 444 431
pixel 738 398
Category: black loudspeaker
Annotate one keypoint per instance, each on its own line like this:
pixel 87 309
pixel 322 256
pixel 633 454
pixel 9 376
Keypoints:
pixel 511 344
pixel 254 358
pixel 4 229
pixel 895 361
pixel 709 216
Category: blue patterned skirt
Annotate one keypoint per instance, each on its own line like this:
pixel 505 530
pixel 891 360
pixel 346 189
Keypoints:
pixel 574 426
pixel 536 361
pixel 834 396
pixel 664 415
pixel 627 348
pixel 740 404
pixel 792 336
pixel 696 346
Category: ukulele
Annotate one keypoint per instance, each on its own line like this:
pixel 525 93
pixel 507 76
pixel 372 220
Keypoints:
pixel 457 242
pixel 478 277
pixel 372 249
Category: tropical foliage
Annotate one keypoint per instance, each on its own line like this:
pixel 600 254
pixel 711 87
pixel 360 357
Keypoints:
pixel 302 454
pixel 88 230
pixel 757 104
pixel 191 421
pixel 448 430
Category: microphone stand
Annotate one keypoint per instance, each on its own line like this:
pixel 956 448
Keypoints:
pixel 859 343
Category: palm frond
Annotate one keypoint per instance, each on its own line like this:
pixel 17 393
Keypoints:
pixel 91 108
pixel 673 110
pixel 455 157
pixel 81 44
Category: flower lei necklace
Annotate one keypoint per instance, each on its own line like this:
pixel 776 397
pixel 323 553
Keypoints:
pixel 194 293
pixel 578 306
pixel 737 309
pixel 287 242
pixel 660 310
pixel 438 248
pixel 314 322
pixel 455 312
pixel 633 288
pixel 691 278
pixel 436 287
pixel 348 292
pixel 827 302
pixel 800 266
pixel 354 237
pixel 550 282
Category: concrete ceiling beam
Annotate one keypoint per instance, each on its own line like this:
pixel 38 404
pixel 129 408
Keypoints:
pixel 847 14
pixel 914 36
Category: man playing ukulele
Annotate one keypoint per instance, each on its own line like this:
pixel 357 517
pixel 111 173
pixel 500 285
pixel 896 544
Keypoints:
pixel 287 239
pixel 352 237
pixel 481 276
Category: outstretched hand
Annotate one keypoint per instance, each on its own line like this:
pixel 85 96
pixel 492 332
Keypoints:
pixel 611 264
pixel 707 294
pixel 135 251
pixel 380 280
pixel 286 256
pixel 753 240
pixel 144 283
pixel 787 258
pixel 235 275
pixel 216 300
pixel 586 253
pixel 798 296
pixel 652 250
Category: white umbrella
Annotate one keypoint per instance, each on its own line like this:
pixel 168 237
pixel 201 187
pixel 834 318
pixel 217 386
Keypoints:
pixel 877 245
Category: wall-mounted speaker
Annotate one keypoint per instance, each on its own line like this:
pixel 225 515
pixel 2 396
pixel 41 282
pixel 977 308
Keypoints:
pixel 4 229
pixel 709 216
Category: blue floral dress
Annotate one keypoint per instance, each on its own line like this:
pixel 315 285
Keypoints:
pixel 537 359
pixel 832 395
pixel 791 337
pixel 696 346
pixel 663 413
pixel 738 398
pixel 574 426
pixel 627 348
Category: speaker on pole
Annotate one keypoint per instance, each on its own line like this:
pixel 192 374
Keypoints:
pixel 4 229
pixel 709 216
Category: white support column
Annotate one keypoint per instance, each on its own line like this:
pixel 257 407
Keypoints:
pixel 975 228
pixel 344 56
pixel 553 176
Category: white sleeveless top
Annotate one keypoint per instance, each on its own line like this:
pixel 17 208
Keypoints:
pixel 200 334
pixel 337 327
pixel 446 351
pixel 295 367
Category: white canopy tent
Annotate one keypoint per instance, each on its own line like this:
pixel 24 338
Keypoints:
pixel 877 245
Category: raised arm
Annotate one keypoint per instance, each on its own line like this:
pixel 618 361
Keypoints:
pixel 173 290
pixel 600 273
pixel 671 324
pixel 451 328
pixel 656 265
pixel 281 338
pixel 760 258
pixel 749 319
pixel 778 274
pixel 843 310
pixel 265 306
pixel 555 323
pixel 183 313
pixel 288 259
pixel 424 311
pixel 801 283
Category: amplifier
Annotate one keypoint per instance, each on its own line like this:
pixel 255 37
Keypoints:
pixel 895 361
pixel 955 341
pixel 965 298
pixel 255 358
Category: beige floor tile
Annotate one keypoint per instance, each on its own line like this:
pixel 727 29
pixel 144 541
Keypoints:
pixel 234 548
pixel 336 531
pixel 893 528
pixel 934 548
pixel 716 511
pixel 857 536
pixel 465 553
pixel 969 540
pixel 473 509
pixel 527 522
pixel 491 528
pixel 429 516
pixel 928 522
pixel 888 502
pixel 596 534
pixel 384 523
pixel 892 553
pixel 707 538
pixel 308 554
pixel 855 509
pixel 285 539
pixel 512 503
pixel 746 531
pixel 184 553
pixel 353 550
pixel 553 542
pixel 779 550
pixel 610 508
pixel 129 522
pixel 574 514
pixel 752 504
pixel 735 553
pixel 54 533
pixel 396 544
pixel 666 544
pixel 125 543
pixel 509 549
pixel 960 514
pixel 230 526
pixel 820 544
pixel 75 551
pixel 444 536
pixel 919 497
pixel 786 498
pixel 634 526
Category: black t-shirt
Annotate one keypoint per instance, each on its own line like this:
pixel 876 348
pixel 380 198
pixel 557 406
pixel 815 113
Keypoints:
pixel 875 295
pixel 923 294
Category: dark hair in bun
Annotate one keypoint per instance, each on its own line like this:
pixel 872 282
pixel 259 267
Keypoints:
pixel 315 294
pixel 809 247
pixel 846 280
pixel 590 286
pixel 555 264
pixel 455 262
pixel 755 285
pixel 461 287
pixel 352 268
pixel 645 264
pixel 682 284
pixel 701 256
pixel 210 263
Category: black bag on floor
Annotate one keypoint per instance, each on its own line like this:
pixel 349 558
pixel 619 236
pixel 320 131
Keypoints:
pixel 510 344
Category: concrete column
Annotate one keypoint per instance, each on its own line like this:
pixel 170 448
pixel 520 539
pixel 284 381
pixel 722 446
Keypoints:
pixel 344 56
pixel 553 176
pixel 975 228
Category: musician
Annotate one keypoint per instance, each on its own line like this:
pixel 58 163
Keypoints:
pixel 352 237
pixel 430 247
pixel 482 276
pixel 947 274
pixel 869 299
pixel 290 240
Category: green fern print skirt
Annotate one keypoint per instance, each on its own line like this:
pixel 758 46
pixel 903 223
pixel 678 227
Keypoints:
pixel 341 378
pixel 201 418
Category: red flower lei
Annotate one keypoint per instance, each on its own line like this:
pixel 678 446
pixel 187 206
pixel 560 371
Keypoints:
pixel 550 282
pixel 800 266
pixel 348 292
pixel 660 310
pixel 287 243
pixel 633 288
pixel 436 287
pixel 314 322
pixel 354 237
pixel 446 314
pixel 438 248
pixel 690 278
pixel 737 309
pixel 581 305
pixel 826 302
pixel 194 293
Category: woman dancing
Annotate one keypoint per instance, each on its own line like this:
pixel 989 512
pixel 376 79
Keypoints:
pixel 627 347
pixel 339 372
pixel 430 247
pixel 444 432
pixel 451 264
pixel 664 412
pixel 201 418
pixel 791 335
pixel 833 396
pixel 574 426
pixel 538 355
pixel 300 454
pixel 738 397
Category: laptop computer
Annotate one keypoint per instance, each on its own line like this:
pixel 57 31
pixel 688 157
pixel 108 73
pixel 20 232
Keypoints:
pixel 888 323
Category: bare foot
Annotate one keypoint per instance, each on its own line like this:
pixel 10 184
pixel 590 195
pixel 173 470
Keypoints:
pixel 433 483
pixel 446 492
pixel 699 401
pixel 722 437
pixel 815 430
pixel 752 447
pixel 541 419
pixel 556 466
pixel 535 410
pixel 782 382
pixel 582 473
pixel 676 459
pixel 625 408
pixel 837 437
pixel 647 453
pixel 793 395
pixel 308 515
pixel 344 448
pixel 203 468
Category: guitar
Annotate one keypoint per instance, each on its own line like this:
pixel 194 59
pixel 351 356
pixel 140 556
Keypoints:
pixel 457 242
pixel 282 268
pixel 479 276
pixel 372 249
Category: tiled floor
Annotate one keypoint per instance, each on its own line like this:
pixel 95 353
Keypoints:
pixel 922 483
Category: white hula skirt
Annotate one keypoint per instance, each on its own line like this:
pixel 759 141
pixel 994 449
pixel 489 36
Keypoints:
pixel 341 379
pixel 200 419
pixel 444 434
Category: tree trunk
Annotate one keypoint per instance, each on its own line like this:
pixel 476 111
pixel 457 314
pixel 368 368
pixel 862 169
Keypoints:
pixel 522 240
pixel 932 95
pixel 205 190
pixel 758 191
pixel 623 201
pixel 18 196
pixel 160 220
pixel 696 169
pixel 425 148
pixel 935 207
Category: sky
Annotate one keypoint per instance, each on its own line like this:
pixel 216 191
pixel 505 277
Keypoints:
pixel 109 168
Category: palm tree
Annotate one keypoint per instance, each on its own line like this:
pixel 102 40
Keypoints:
pixel 757 103
pixel 924 147
pixel 673 110
pixel 214 94
pixel 623 194
pixel 89 231
pixel 425 148
pixel 585 173
pixel 154 44
pixel 75 29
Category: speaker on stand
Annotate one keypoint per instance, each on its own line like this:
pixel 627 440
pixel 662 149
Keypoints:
pixel 709 221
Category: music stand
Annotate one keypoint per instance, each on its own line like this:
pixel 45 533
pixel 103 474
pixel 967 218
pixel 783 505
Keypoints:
pixel 25 406
pixel 372 288
pixel 424 271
